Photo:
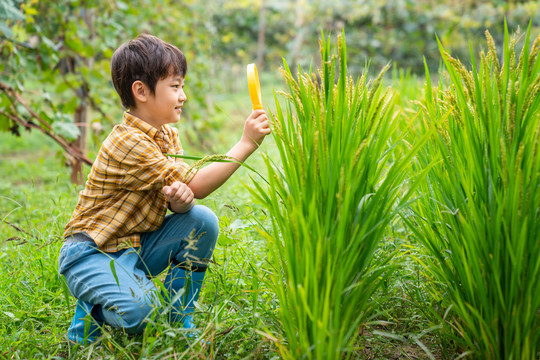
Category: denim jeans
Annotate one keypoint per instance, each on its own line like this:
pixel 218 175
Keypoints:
pixel 120 283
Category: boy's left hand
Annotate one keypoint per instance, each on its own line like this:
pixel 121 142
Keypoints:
pixel 179 196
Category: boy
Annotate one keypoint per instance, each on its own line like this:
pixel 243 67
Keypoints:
pixel 118 235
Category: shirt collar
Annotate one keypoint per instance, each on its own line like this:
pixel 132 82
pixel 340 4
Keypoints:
pixel 142 125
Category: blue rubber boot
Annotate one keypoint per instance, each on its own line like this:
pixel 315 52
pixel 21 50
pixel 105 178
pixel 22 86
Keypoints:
pixel 191 282
pixel 84 328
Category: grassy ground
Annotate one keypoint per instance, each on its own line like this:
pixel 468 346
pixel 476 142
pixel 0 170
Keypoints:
pixel 37 199
pixel 237 311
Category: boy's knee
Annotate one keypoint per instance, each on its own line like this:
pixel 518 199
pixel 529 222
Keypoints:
pixel 207 220
pixel 135 317
pixel 205 223
pixel 202 242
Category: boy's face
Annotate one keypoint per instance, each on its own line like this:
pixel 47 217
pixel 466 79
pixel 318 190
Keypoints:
pixel 165 106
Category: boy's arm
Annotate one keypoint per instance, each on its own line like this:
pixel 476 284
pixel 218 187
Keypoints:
pixel 214 175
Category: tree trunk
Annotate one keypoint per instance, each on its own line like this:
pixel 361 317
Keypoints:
pixel 81 114
pixel 300 8
pixel 261 37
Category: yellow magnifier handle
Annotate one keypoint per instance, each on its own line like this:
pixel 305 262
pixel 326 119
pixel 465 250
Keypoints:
pixel 254 86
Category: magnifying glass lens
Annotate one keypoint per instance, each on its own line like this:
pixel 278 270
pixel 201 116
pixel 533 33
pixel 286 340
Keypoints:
pixel 254 86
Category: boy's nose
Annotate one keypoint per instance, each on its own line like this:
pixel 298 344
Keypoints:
pixel 182 96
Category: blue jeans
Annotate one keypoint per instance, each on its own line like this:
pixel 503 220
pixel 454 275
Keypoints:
pixel 119 283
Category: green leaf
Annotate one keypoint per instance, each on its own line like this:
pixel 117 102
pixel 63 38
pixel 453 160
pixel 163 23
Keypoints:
pixel 5 123
pixel 11 315
pixel 122 5
pixel 50 44
pixel 8 11
pixel 65 291
pixel 67 130
pixel 113 270
pixel 5 29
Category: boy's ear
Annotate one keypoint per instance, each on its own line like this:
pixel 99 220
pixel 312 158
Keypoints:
pixel 140 91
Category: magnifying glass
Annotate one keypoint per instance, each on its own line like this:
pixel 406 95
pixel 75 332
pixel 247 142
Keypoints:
pixel 254 86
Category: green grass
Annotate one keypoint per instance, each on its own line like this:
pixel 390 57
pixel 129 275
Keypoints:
pixel 36 196
pixel 237 306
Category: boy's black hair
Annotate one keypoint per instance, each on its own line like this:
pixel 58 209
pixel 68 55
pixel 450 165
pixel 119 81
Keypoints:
pixel 145 58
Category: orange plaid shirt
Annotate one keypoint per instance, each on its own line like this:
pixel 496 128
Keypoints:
pixel 123 195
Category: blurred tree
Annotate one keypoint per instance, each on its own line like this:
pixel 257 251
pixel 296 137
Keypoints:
pixel 378 31
pixel 54 73
pixel 56 68
pixel 262 35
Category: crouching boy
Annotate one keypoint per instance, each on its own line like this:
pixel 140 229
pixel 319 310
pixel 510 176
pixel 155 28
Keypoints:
pixel 119 235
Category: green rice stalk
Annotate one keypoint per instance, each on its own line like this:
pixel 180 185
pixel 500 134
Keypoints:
pixel 203 160
pixel 478 214
pixel 330 196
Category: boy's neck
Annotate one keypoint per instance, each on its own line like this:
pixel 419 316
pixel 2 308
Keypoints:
pixel 144 117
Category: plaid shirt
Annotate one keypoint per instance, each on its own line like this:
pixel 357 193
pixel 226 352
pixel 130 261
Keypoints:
pixel 123 195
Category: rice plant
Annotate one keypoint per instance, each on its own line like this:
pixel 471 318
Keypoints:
pixel 479 211
pixel 330 198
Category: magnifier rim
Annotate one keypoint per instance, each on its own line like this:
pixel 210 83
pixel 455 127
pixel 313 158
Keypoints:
pixel 254 86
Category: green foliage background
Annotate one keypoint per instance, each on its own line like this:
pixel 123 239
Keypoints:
pixel 60 61
pixel 401 31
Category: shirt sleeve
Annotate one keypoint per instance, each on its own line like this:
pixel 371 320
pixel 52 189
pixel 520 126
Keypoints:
pixel 147 168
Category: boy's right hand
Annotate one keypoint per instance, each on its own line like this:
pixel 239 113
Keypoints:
pixel 180 196
pixel 256 128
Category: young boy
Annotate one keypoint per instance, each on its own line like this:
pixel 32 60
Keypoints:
pixel 118 236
